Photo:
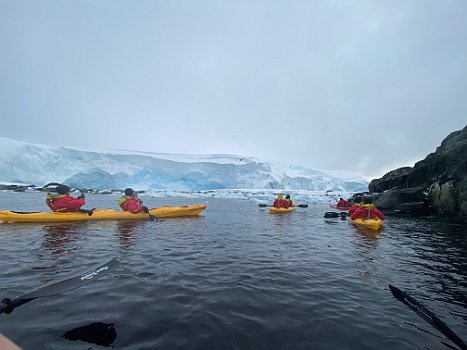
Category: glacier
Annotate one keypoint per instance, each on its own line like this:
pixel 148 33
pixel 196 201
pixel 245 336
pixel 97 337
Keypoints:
pixel 166 174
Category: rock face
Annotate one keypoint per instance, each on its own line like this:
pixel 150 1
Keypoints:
pixel 410 200
pixel 437 184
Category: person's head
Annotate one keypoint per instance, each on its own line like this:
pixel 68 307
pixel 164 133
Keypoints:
pixel 279 196
pixel 367 200
pixel 129 192
pixel 358 199
pixel 341 199
pixel 287 196
pixel 62 189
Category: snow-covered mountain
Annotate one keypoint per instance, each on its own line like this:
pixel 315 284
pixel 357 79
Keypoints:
pixel 24 163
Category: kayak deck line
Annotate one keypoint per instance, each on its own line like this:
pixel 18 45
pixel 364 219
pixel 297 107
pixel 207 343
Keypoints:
pixel 102 214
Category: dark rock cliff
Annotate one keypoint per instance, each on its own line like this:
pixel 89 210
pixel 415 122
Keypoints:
pixel 436 185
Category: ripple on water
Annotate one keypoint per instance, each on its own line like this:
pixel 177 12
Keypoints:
pixel 237 278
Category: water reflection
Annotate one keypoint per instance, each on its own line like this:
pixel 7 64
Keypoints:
pixel 366 243
pixel 127 232
pixel 61 239
pixel 442 256
pixel 366 240
pixel 306 283
pixel 367 234
pixel 331 222
pixel 282 221
pixel 335 220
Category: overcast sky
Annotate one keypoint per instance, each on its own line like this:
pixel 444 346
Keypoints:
pixel 362 85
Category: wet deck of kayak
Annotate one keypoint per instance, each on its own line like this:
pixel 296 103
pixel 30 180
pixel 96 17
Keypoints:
pixel 236 277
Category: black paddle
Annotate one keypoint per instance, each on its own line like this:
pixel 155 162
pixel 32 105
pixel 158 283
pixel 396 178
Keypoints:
pixel 333 214
pixel 262 205
pixel 7 306
pixel 151 217
pixel 428 316
pixel 87 211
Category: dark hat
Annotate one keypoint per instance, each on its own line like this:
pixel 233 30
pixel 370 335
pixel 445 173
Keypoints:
pixel 62 189
pixel 367 200
pixel 358 199
pixel 129 192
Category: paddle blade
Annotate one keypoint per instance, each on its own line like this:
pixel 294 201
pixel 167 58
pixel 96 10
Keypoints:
pixel 262 205
pixel 428 316
pixel 302 205
pixel 73 282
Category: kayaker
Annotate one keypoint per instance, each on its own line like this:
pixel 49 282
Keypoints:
pixel 130 202
pixel 367 210
pixel 357 204
pixel 62 202
pixel 280 203
pixel 342 203
pixel 289 201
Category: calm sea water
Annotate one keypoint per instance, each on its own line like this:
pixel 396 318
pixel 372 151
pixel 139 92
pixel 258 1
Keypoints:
pixel 236 277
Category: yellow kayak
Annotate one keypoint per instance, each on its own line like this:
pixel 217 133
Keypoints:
pixel 274 210
pixel 101 214
pixel 373 224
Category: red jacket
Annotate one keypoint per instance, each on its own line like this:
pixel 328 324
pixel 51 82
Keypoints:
pixel 281 203
pixel 64 203
pixel 353 208
pixel 132 204
pixel 343 203
pixel 362 212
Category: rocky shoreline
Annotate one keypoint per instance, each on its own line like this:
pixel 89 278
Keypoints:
pixel 436 185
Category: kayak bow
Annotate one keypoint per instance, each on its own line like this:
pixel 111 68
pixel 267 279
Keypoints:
pixel 372 224
pixel 274 210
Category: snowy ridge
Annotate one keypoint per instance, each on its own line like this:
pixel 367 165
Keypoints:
pixel 24 163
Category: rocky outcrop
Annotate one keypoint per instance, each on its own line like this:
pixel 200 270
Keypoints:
pixel 15 188
pixel 437 184
pixel 398 200
pixel 392 179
